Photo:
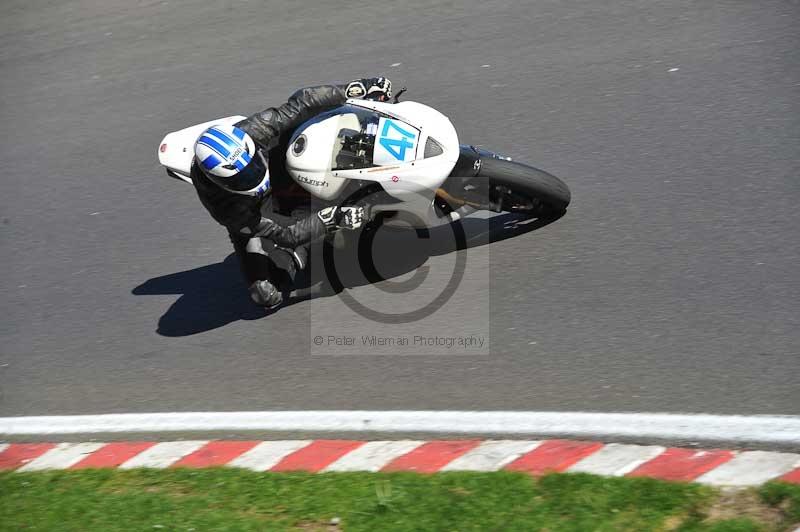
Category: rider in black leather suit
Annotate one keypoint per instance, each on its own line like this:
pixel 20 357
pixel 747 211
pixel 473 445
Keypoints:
pixel 264 239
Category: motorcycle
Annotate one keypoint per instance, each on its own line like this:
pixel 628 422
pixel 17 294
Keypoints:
pixel 402 160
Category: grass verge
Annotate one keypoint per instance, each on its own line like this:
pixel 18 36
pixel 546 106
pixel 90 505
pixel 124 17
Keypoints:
pixel 231 499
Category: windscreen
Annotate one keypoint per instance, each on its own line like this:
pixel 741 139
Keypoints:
pixel 355 141
pixel 366 138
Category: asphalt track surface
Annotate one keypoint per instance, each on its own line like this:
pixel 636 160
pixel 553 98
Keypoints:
pixel 671 285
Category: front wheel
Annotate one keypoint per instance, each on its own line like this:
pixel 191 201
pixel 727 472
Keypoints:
pixel 518 187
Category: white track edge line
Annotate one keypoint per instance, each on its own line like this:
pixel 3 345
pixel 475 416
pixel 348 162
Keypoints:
pixel 767 429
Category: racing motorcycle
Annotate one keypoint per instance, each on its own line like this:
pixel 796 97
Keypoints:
pixel 402 160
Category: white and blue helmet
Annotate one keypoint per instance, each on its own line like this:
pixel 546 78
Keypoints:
pixel 228 156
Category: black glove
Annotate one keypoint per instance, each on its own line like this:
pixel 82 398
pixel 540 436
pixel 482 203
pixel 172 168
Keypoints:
pixel 342 217
pixel 378 89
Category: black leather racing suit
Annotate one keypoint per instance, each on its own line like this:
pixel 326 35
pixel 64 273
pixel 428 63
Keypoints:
pixel 248 216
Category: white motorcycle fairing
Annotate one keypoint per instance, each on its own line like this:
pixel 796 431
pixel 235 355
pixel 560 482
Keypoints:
pixel 415 149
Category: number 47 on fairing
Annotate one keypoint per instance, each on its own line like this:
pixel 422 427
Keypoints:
pixel 396 146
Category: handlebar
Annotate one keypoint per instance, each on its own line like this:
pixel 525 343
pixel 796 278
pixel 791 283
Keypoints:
pixel 399 93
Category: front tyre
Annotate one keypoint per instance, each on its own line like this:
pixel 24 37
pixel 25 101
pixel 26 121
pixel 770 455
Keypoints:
pixel 518 187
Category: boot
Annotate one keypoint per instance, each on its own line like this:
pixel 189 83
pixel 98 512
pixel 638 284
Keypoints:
pixel 264 294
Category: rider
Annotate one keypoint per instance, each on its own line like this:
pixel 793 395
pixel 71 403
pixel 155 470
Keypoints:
pixel 231 173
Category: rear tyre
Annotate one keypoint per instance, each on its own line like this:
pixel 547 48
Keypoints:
pixel 517 187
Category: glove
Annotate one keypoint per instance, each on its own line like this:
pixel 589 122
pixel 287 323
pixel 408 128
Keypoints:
pixel 378 89
pixel 342 217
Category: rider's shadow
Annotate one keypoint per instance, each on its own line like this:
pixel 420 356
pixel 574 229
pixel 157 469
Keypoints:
pixel 210 296
pixel 215 295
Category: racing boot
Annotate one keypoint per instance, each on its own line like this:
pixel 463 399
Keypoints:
pixel 264 294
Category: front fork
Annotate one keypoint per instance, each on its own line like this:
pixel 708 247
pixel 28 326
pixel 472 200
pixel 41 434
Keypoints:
pixel 461 188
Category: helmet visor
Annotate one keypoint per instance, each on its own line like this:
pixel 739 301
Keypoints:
pixel 248 179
